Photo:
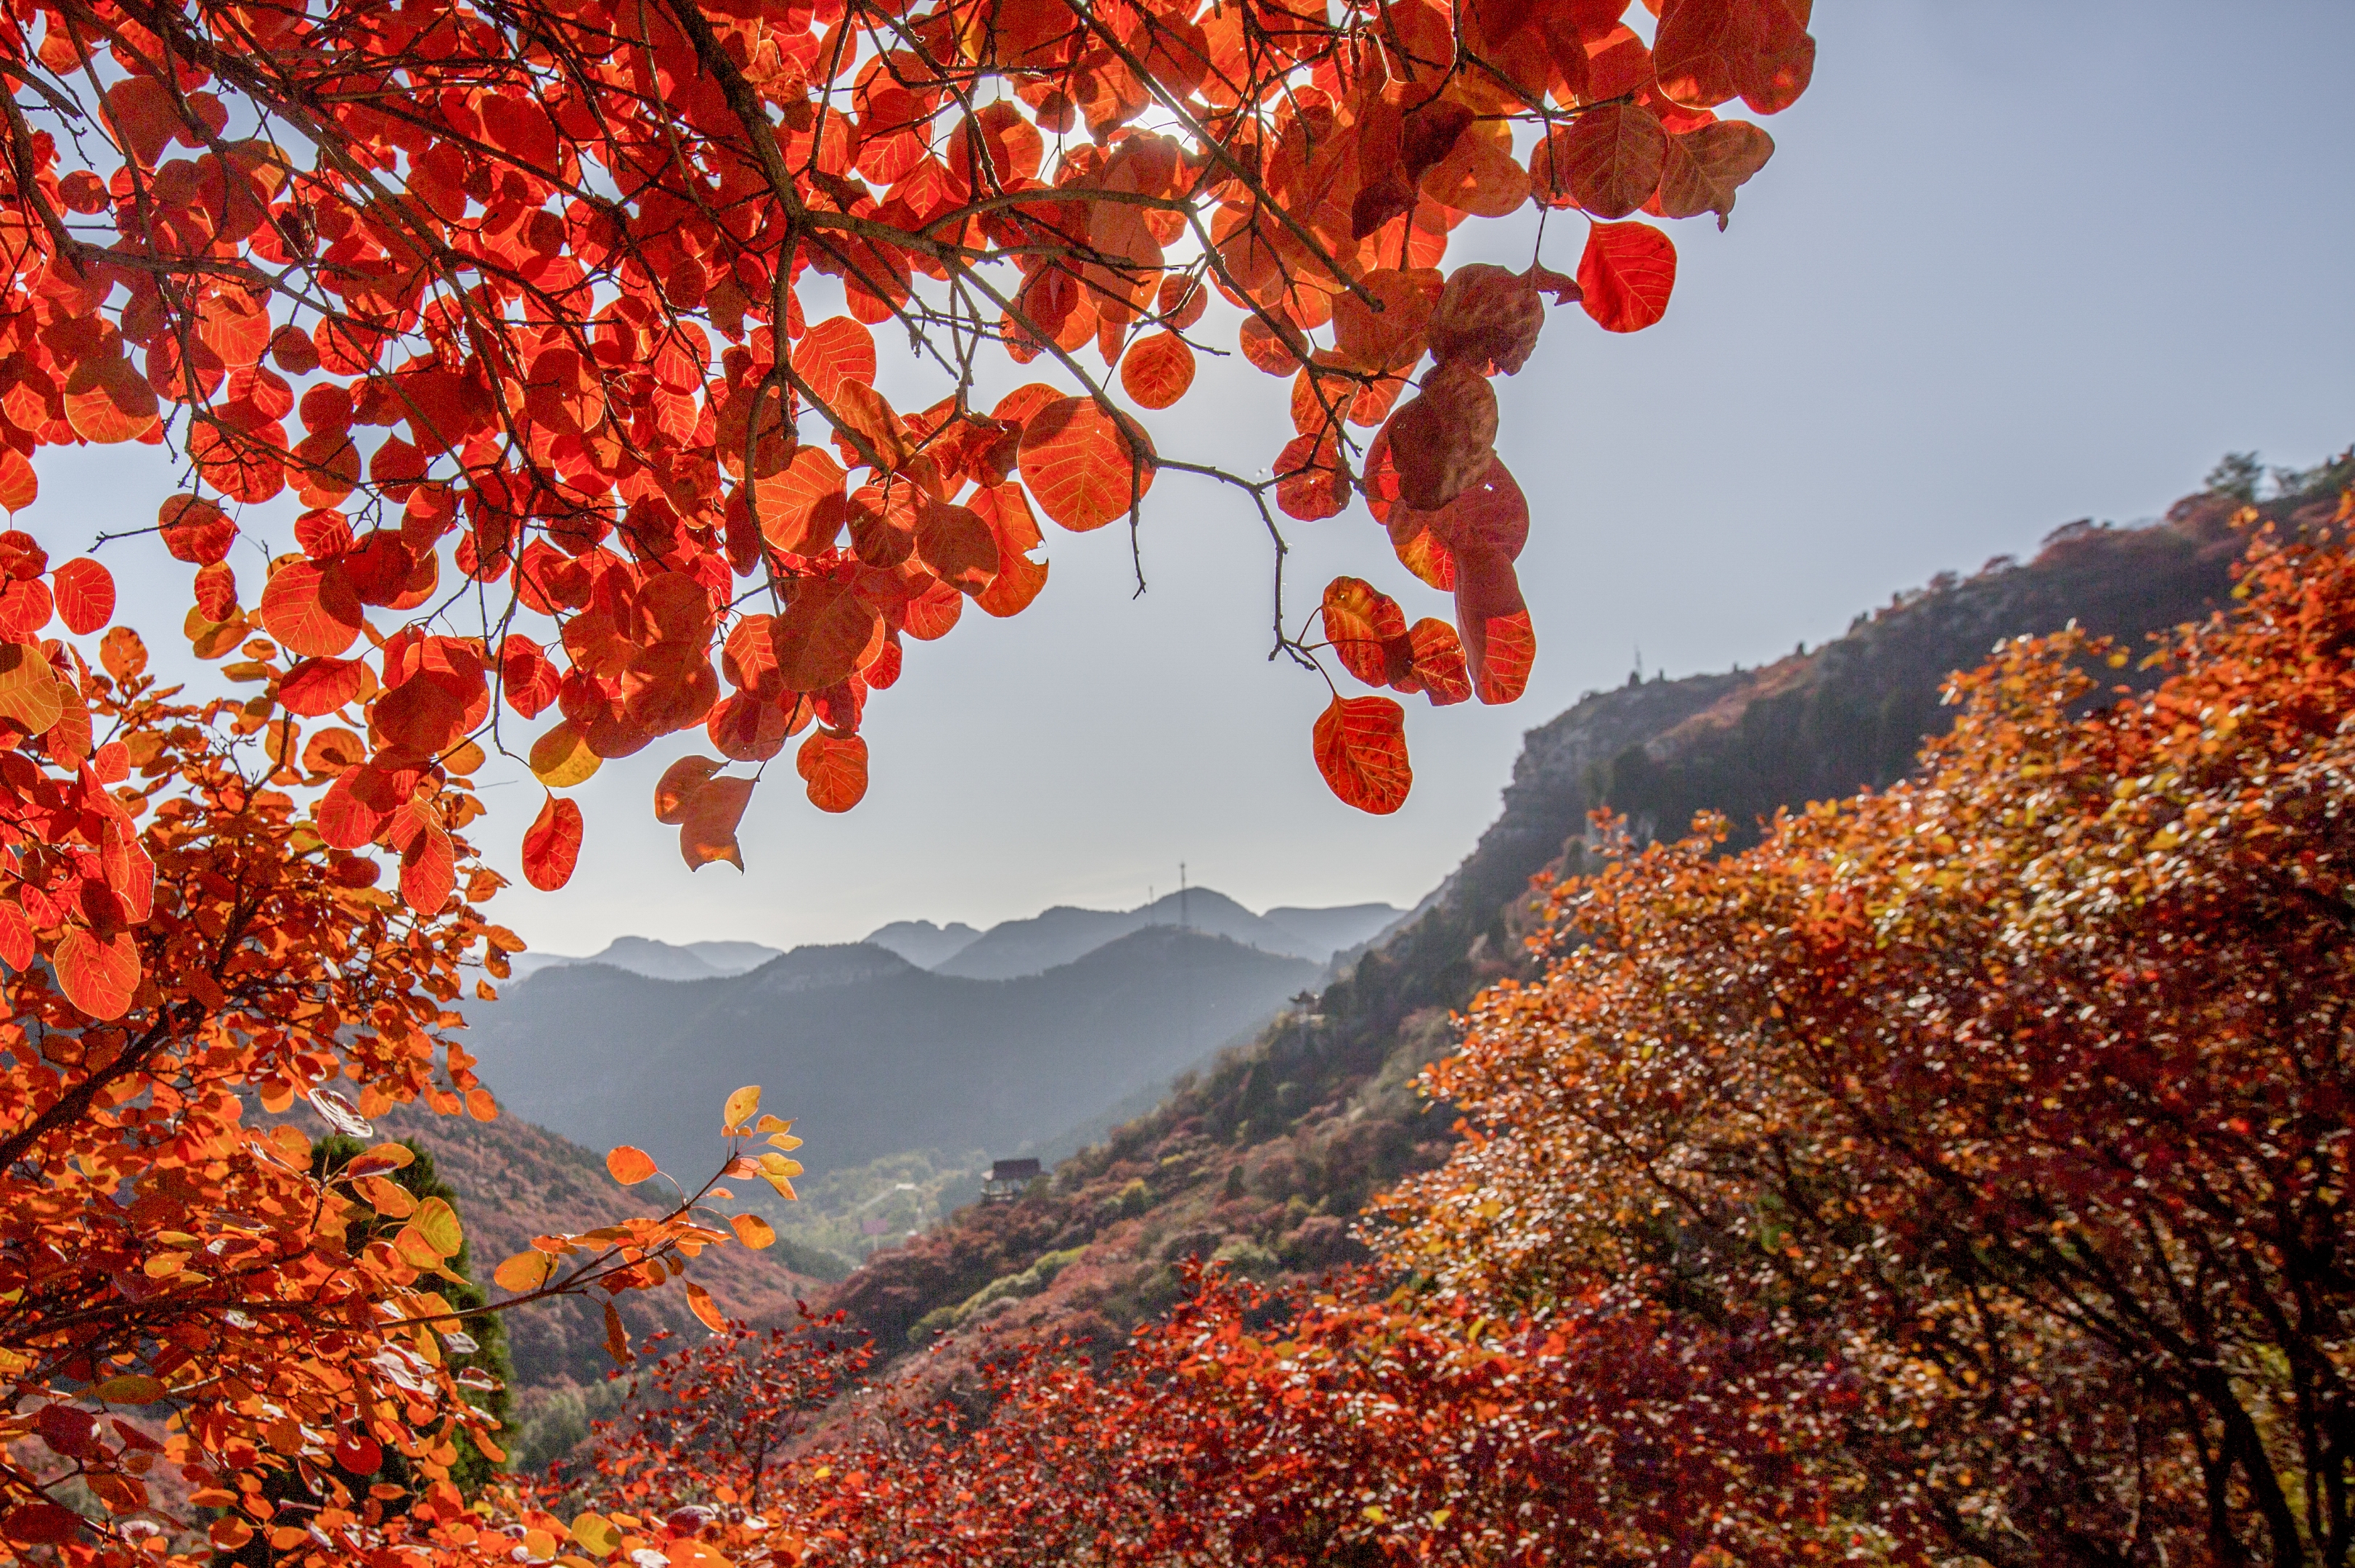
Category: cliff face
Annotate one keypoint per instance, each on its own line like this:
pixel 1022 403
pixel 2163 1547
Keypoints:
pixel 1263 1160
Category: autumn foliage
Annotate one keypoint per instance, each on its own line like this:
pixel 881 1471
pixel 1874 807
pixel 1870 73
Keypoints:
pixel 554 328
pixel 558 326
pixel 1956 1176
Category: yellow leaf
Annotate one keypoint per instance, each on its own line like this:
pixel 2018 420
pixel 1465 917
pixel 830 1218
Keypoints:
pixel 784 1189
pixel 630 1166
pixel 785 1140
pixel 130 1388
pixel 438 1223
pixel 561 758
pixel 539 1544
pixel 774 1165
pixel 596 1534
pixel 739 1108
pixel 752 1231
pixel 772 1125
pixel 524 1272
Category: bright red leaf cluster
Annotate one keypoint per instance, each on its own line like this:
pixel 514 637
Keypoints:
pixel 561 326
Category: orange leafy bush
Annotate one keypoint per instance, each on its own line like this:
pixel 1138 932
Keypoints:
pixel 2003 1114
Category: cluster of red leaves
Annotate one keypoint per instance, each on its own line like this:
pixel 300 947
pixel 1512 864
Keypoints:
pixel 2008 1110
pixel 521 325
pixel 1245 1428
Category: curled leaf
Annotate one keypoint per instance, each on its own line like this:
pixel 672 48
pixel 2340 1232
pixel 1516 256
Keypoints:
pixel 551 846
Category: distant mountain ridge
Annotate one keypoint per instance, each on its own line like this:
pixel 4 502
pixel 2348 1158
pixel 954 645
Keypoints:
pixel 1015 947
pixel 872 1054
pixel 921 943
pixel 659 960
pixel 1064 933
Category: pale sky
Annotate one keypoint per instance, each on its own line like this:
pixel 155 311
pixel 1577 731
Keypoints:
pixel 2013 263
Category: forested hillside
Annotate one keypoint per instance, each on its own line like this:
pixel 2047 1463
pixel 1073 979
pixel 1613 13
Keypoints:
pixel 1263 1159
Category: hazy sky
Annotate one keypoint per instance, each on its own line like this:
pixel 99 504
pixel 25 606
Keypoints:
pixel 2013 263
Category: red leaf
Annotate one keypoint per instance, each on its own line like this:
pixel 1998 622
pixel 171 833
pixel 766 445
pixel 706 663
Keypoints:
pixel 1438 670
pixel 1361 744
pixel 429 870
pixel 834 769
pixel 195 530
pixel 85 595
pixel 552 844
pixel 1083 469
pixel 1707 166
pixel 318 687
pixel 831 352
pixel 1368 631
pixel 1627 276
pixel 40 1524
pixel 1499 644
pixel 1607 161
pixel 311 609
pixel 98 974
pixel 423 714
pixel 357 1452
pixel 1156 370
pixel 823 635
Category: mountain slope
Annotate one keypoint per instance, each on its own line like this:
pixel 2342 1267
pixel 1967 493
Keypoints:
pixel 1264 1159
pixel 870 1053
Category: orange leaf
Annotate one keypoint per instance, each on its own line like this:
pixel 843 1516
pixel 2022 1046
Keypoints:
pixel 429 870
pixel 1706 165
pixel 704 1309
pixel 707 831
pixel 1627 276
pixel 84 594
pixel 311 609
pixel 1084 469
pixel 823 635
pixel 831 352
pixel 629 1164
pixel 1361 744
pixel 526 1271
pixel 1156 370
pixel 752 1231
pixel 98 974
pixel 1365 626
pixel 30 694
pixel 677 785
pixel 1499 644
pixel 1607 161
pixel 1390 339
pixel 957 544
pixel 740 1107
pixel 552 844
pixel 316 688
pixel 108 400
pixel 1439 671
pixel 834 769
